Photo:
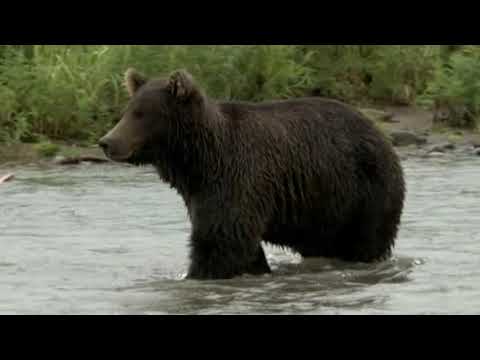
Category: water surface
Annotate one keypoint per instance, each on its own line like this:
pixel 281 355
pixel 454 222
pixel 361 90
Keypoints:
pixel 109 239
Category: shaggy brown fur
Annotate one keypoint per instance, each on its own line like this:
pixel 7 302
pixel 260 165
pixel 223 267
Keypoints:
pixel 310 174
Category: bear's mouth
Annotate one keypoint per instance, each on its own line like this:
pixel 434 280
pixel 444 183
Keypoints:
pixel 138 157
pixel 121 158
pixel 141 154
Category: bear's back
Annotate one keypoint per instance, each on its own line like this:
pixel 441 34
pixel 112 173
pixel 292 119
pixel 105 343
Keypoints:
pixel 306 119
pixel 314 138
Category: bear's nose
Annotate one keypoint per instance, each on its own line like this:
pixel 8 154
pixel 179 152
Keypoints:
pixel 104 144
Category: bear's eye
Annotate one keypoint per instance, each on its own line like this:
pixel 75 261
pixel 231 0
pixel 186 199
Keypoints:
pixel 138 114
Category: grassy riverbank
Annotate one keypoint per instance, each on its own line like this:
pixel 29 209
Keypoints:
pixel 72 94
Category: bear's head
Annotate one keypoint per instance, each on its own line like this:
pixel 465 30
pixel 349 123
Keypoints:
pixel 157 108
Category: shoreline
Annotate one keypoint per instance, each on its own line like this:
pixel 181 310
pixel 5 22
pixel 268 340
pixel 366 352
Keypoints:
pixel 65 154
pixel 414 134
pixel 410 129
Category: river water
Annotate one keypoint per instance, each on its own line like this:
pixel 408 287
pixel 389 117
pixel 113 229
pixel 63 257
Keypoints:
pixel 111 239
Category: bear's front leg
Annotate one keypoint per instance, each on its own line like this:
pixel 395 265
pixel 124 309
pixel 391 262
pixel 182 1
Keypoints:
pixel 219 256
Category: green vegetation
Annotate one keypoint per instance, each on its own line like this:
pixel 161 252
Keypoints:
pixel 47 149
pixel 75 93
pixel 455 88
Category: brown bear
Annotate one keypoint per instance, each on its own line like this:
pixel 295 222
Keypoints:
pixel 310 174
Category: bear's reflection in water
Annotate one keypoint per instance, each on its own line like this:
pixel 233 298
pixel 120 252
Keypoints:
pixel 314 286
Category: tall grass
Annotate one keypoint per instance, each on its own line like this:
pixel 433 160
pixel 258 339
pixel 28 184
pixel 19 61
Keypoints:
pixel 395 74
pixel 456 84
pixel 60 93
pixel 75 93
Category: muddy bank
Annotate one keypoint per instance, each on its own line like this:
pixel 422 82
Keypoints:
pixel 60 154
pixel 410 129
pixel 414 134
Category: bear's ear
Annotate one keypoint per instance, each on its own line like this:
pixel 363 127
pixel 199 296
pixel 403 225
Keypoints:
pixel 181 85
pixel 134 81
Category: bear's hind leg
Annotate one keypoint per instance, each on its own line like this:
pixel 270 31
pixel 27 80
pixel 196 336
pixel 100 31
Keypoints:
pixel 367 240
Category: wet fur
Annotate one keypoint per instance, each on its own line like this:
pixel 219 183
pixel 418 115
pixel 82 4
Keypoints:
pixel 311 174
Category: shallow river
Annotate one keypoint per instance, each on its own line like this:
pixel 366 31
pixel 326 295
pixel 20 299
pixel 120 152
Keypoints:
pixel 108 239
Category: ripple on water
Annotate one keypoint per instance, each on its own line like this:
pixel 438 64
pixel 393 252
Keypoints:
pixel 295 288
pixel 116 251
pixel 7 264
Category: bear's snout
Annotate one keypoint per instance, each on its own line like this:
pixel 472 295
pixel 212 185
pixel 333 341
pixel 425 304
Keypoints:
pixel 103 143
pixel 113 149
